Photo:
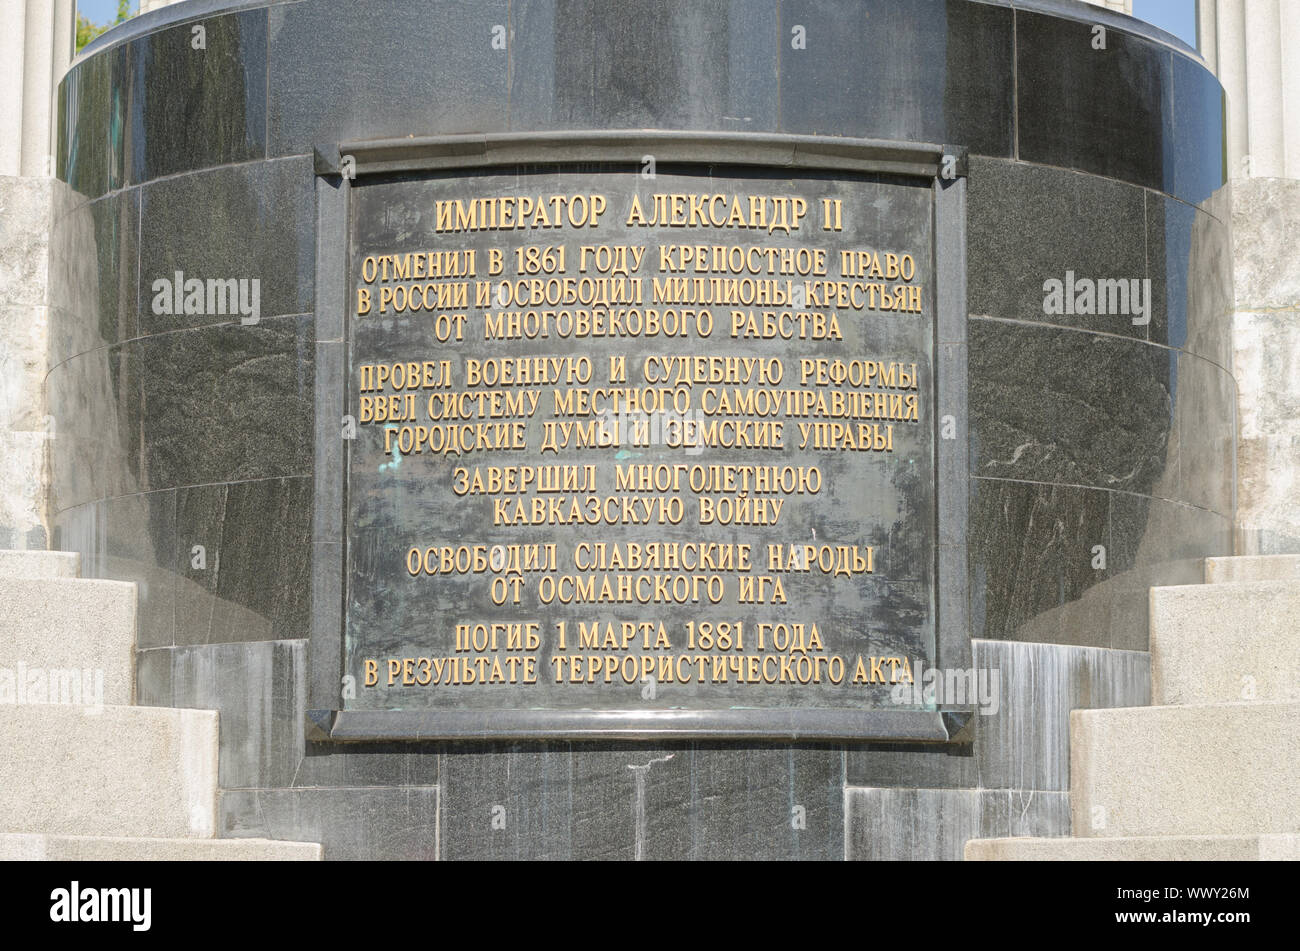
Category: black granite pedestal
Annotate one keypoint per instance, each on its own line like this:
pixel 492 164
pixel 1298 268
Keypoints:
pixel 1068 457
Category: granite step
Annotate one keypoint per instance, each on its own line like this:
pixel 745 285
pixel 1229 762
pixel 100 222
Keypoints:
pixel 1227 642
pixel 32 565
pixel 91 848
pixel 1252 568
pixel 109 771
pixel 67 634
pixel 1182 848
pixel 83 774
pixel 1205 769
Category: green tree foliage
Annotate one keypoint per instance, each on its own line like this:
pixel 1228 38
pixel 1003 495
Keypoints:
pixel 87 31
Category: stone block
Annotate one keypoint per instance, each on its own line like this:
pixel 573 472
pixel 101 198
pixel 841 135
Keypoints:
pixel 111 771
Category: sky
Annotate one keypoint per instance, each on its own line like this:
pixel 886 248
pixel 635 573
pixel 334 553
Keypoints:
pixel 1173 16
pixel 101 10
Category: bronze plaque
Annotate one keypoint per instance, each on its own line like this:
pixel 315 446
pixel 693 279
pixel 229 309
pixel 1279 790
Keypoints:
pixel 641 442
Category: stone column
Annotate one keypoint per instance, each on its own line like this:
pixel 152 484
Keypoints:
pixel 1254 48
pixel 35 49
pixel 38 88
pixel 13 43
pixel 36 45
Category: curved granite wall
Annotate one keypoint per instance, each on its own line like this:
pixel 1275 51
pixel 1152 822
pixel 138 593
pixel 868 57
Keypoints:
pixel 182 431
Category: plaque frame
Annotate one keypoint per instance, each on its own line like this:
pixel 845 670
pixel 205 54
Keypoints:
pixel 337 165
